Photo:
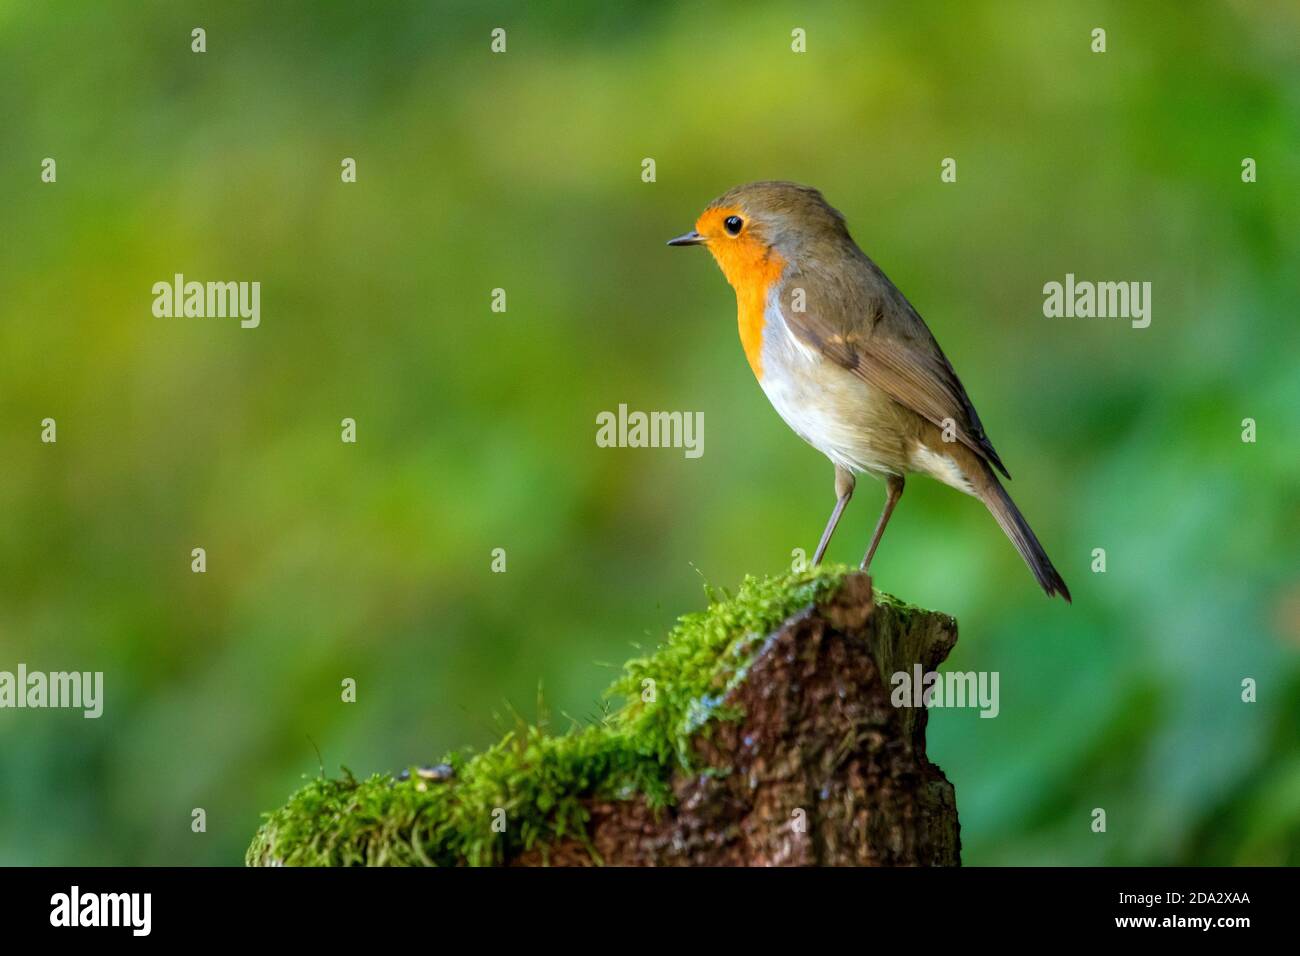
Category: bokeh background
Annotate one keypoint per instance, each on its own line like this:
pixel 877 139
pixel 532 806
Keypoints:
pixel 476 430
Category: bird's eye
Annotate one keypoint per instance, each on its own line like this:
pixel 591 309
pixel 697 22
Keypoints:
pixel 733 225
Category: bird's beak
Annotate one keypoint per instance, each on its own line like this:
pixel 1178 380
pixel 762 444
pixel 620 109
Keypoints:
pixel 691 238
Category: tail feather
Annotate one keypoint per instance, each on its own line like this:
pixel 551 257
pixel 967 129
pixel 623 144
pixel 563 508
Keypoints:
pixel 1022 536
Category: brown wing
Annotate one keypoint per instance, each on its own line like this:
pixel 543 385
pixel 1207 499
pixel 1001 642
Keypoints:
pixel 883 340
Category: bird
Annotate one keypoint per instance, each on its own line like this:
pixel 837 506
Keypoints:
pixel 848 363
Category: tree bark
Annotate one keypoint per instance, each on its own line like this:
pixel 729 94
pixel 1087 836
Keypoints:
pixel 822 770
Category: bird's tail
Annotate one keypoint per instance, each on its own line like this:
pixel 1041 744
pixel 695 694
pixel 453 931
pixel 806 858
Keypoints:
pixel 997 500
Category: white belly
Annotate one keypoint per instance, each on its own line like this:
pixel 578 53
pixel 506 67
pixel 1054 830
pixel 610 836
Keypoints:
pixel 856 426
pixel 826 405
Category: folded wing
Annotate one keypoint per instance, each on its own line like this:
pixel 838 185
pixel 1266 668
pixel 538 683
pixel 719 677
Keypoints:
pixel 890 348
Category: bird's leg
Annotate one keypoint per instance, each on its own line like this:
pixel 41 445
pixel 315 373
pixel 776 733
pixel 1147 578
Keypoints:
pixel 894 486
pixel 844 482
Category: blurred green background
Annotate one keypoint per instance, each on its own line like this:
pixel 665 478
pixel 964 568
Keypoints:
pixel 476 430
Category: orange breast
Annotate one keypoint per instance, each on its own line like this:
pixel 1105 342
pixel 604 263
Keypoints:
pixel 752 276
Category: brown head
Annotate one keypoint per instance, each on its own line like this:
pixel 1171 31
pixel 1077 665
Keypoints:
pixel 754 229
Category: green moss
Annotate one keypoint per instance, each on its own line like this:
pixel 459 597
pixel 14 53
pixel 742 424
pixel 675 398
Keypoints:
pixel 541 779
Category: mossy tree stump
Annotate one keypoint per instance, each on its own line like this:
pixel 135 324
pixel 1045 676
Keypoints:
pixel 762 733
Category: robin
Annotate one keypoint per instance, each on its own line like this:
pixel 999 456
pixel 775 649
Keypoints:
pixel 846 360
